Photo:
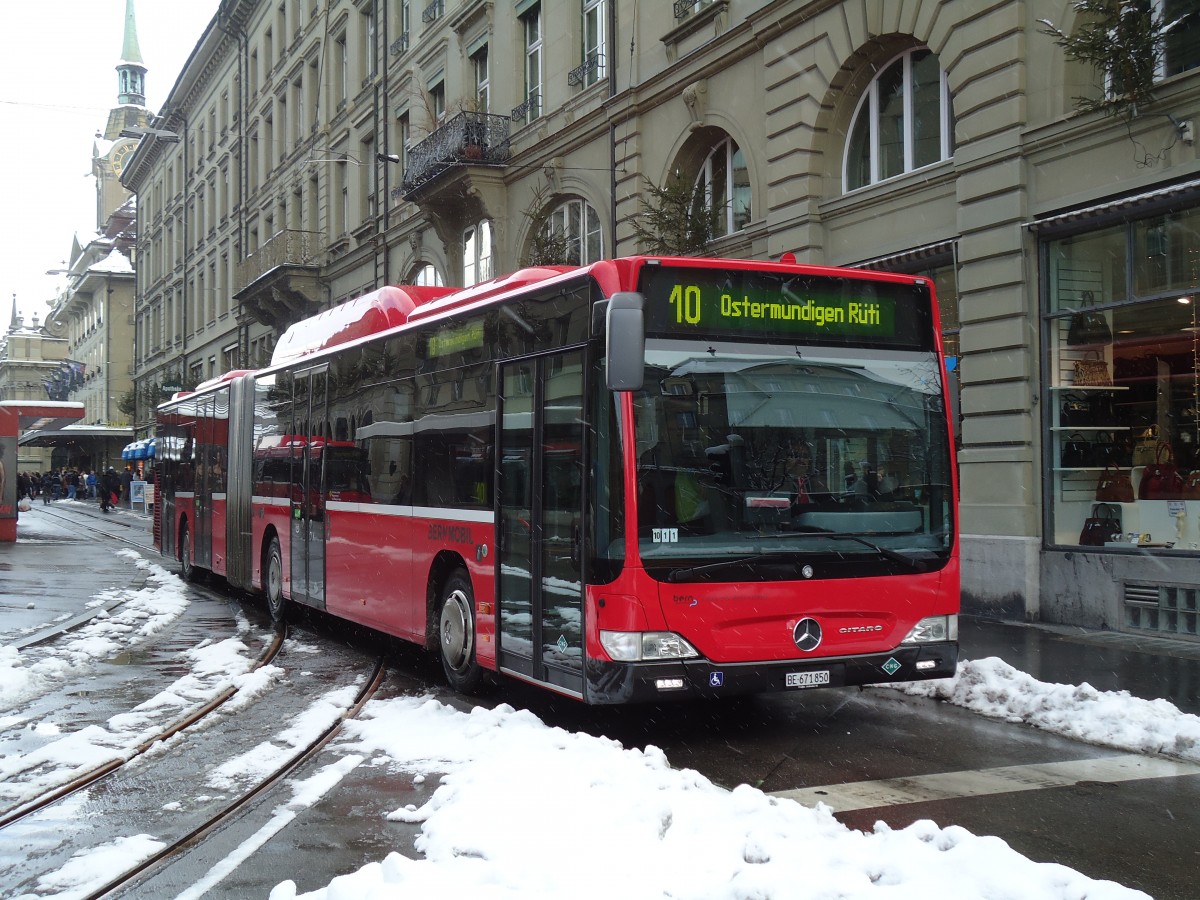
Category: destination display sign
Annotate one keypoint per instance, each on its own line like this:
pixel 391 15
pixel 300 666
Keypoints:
pixel 804 307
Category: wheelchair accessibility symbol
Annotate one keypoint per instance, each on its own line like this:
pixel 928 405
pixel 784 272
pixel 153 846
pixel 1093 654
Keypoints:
pixel 716 679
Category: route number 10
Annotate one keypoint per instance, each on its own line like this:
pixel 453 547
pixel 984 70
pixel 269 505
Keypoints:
pixel 686 301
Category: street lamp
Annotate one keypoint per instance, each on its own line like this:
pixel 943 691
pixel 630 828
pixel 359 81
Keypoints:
pixel 138 131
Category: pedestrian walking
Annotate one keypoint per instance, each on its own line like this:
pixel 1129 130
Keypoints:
pixel 91 484
pixel 126 480
pixel 110 489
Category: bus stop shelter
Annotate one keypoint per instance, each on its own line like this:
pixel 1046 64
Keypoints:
pixel 17 416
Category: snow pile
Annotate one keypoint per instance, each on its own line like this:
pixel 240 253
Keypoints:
pixel 993 688
pixel 570 802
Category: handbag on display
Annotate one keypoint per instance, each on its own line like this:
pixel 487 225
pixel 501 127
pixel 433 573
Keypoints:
pixel 1102 526
pixel 1191 485
pixel 1136 367
pixel 1092 371
pixel 1088 325
pixel 1076 452
pixel 1145 451
pixel 1104 412
pixel 1115 485
pixel 1106 449
pixel 1076 412
pixel 1161 479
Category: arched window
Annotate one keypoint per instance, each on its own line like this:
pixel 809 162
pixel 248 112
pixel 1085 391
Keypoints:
pixel 726 183
pixel 426 275
pixel 577 223
pixel 903 121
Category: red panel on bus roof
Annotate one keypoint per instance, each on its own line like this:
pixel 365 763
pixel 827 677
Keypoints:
pixel 520 278
pixel 219 379
pixel 369 314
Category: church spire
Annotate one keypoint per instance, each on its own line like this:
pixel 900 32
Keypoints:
pixel 131 72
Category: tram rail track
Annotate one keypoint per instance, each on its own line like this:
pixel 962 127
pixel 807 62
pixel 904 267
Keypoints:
pixel 24 827
pixel 185 746
pixel 97 524
pixel 105 526
pixel 86 780
pixel 212 822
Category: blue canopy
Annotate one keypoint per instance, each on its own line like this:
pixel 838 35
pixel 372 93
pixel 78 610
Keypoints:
pixel 143 449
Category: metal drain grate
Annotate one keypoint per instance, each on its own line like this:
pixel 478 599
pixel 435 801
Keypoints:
pixel 1163 609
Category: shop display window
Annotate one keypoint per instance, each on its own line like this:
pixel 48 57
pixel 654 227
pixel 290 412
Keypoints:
pixel 1123 386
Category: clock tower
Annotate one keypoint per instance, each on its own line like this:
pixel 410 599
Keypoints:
pixel 110 155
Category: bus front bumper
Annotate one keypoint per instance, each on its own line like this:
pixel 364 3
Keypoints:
pixel 610 682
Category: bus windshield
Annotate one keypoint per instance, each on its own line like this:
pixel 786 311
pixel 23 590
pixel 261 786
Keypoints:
pixel 754 459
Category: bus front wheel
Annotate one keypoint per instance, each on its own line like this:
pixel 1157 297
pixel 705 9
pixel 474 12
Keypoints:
pixel 273 582
pixel 456 634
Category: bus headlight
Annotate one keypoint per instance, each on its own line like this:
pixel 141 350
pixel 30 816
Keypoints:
pixel 635 646
pixel 933 629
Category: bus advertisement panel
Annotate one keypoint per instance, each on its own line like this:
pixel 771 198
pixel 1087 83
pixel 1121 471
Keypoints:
pixel 766 502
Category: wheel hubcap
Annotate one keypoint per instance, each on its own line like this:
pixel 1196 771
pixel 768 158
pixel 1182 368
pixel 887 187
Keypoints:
pixel 275 581
pixel 456 630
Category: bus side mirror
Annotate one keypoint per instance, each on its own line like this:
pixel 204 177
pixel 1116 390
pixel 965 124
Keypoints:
pixel 625 341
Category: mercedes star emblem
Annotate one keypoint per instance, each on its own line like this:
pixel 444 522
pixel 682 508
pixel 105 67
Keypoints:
pixel 807 635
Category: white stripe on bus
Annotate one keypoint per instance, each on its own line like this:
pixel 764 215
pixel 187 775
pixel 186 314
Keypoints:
pixel 482 516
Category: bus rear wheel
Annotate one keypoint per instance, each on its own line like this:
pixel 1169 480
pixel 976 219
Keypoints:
pixel 456 634
pixel 273 582
pixel 187 569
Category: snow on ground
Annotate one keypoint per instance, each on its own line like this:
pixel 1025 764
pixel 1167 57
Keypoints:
pixel 670 833
pixel 127 617
pixel 137 615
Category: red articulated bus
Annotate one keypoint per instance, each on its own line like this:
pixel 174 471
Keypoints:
pixel 642 479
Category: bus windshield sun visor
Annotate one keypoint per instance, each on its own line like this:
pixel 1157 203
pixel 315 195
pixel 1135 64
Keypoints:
pixel 625 335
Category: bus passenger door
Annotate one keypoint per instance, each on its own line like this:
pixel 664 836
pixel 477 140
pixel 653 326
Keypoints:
pixel 307 489
pixel 539 473
pixel 202 512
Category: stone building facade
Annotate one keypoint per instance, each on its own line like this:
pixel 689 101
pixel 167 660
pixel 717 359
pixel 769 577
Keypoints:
pixel 313 150
pixel 30 357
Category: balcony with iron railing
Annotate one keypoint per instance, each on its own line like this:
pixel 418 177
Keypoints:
pixel 467 139
pixel 284 248
pixel 433 11
pixel 280 282
pixel 529 110
pixel 684 8
pixel 586 73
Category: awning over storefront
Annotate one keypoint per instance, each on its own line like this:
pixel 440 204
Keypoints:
pixel 16 415
pixel 143 449
pixel 61 437
pixel 905 259
pixel 1116 209
pixel 43 414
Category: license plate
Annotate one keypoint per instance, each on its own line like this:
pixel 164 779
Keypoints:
pixel 807 679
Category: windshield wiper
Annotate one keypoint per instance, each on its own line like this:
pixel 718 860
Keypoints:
pixel 914 559
pixel 677 574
